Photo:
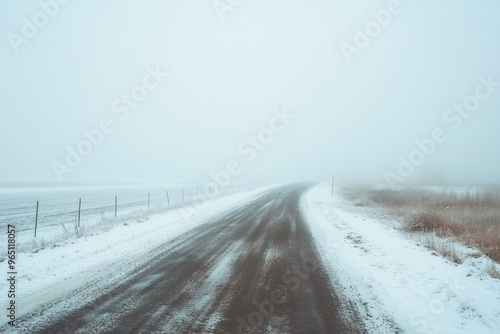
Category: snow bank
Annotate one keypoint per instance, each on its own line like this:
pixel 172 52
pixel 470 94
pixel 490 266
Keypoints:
pixel 397 284
pixel 55 272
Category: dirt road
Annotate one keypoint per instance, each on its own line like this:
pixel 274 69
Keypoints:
pixel 253 270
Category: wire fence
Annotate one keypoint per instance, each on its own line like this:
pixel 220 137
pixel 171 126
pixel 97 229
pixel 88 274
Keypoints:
pixel 32 211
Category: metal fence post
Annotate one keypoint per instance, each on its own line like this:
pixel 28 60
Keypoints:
pixel 79 210
pixel 36 217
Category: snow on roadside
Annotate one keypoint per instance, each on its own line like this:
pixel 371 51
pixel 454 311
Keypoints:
pixel 395 283
pixel 52 273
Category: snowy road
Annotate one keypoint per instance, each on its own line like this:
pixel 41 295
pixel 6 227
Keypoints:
pixel 253 269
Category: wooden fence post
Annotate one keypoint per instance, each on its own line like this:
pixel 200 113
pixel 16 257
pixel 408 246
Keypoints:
pixel 36 217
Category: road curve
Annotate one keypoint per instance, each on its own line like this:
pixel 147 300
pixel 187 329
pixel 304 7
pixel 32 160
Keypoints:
pixel 253 270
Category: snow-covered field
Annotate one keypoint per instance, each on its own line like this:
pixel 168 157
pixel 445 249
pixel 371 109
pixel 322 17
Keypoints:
pixel 394 281
pixel 58 206
pixel 55 271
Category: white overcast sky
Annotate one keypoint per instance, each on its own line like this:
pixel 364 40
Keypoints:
pixel 226 77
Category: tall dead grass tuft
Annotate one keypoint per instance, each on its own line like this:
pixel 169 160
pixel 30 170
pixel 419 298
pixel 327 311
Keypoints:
pixel 469 215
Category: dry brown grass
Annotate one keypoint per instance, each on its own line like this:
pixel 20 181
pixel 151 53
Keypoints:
pixel 493 271
pixel 443 246
pixel 471 216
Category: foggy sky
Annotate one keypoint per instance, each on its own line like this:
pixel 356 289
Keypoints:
pixel 229 79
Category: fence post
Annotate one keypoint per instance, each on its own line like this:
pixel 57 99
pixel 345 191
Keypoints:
pixel 79 210
pixel 168 199
pixel 149 199
pixel 36 217
pixel 116 204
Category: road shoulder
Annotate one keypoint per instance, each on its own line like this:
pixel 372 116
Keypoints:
pixel 394 282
